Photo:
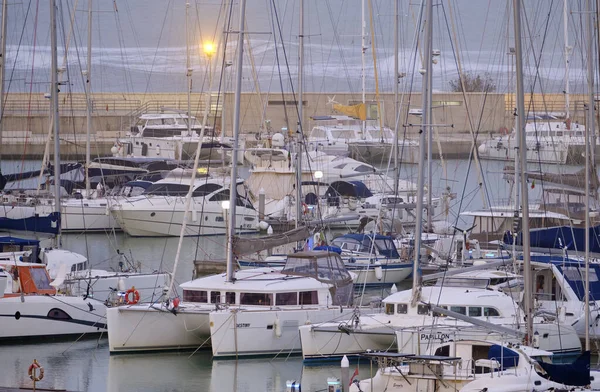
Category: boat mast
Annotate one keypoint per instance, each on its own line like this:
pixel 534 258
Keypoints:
pixel 426 99
pixel 55 118
pixel 567 53
pixel 300 133
pixel 521 116
pixel 88 90
pixel 395 80
pixel 589 153
pixel 188 74
pixel 234 150
pixel 364 66
pixel 2 70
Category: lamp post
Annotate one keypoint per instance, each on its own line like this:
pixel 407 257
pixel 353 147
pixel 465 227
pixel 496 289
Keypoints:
pixel 318 176
pixel 209 50
pixel 225 207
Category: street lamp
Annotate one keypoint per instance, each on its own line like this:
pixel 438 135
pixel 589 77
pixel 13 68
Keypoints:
pixel 318 176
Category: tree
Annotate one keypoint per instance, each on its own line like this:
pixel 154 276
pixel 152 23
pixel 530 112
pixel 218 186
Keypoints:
pixel 473 83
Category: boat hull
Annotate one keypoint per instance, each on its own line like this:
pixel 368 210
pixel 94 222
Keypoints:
pixel 259 332
pixel 50 316
pixel 154 328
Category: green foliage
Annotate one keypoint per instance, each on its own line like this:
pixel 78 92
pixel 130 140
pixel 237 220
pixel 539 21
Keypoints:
pixel 473 83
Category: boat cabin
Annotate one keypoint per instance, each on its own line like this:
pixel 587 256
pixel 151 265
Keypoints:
pixel 380 245
pixel 27 278
pixel 308 278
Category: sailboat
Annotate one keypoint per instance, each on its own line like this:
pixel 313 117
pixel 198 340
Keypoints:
pixel 29 304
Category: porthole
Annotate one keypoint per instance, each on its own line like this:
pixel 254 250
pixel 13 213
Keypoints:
pixel 152 214
pixel 17 315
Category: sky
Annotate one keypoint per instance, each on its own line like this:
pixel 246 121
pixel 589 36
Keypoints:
pixel 140 45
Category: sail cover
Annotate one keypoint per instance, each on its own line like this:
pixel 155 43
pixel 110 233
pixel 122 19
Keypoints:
pixel 243 246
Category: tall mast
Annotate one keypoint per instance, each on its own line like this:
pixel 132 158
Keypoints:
pixel 521 116
pixel 2 70
pixel 234 152
pixel 567 53
pixel 589 131
pixel 55 118
pixel 395 80
pixel 425 96
pixel 188 73
pixel 300 134
pixel 88 90
pixel 428 76
pixel 364 65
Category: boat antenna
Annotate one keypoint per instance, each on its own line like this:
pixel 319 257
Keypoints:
pixel 88 92
pixel 2 72
pixel 234 151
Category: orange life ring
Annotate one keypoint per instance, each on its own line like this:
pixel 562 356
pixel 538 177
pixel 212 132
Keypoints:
pixel 132 296
pixel 32 374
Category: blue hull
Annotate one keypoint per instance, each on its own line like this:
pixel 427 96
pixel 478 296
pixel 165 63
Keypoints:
pixel 560 237
pixel 49 224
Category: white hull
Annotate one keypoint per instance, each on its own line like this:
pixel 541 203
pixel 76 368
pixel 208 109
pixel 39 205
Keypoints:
pixel 505 151
pixel 319 342
pixel 259 332
pixel 145 223
pixel 76 215
pixel 152 327
pixel 50 316
pixel 379 274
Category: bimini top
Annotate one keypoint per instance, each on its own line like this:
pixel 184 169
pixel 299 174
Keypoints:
pixel 326 267
pixel 348 188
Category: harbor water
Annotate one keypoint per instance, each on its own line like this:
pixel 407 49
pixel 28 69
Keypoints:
pixel 85 364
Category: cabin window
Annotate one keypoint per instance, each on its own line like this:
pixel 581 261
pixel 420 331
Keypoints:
pixel 474 311
pixel 223 195
pixel 423 309
pixel 364 169
pixel 286 298
pixel 215 297
pixel 443 351
pixel 572 273
pixel 389 309
pixel 437 314
pixel 309 298
pixel 206 189
pixel 459 309
pixel 162 189
pixel 402 309
pixel 490 312
pixel 318 134
pixel 344 134
pixel 230 297
pixel 58 314
pixel 40 278
pixel 195 296
pixel 265 299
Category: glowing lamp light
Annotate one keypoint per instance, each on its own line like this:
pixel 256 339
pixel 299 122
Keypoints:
pixel 225 204
pixel 318 174
pixel 209 48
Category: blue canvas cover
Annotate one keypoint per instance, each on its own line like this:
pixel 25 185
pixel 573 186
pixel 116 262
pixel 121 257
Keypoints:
pixel 505 356
pixel 571 374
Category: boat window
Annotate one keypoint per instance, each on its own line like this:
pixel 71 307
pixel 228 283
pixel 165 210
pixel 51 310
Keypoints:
pixel 559 133
pixel 423 309
pixel 195 296
pixel 344 134
pixel 162 189
pixel 340 166
pixel 256 299
pixel 230 297
pixel 158 132
pixel 215 297
pixel 309 298
pixel 490 312
pixel 206 189
pixel 58 314
pixel 389 309
pixel 347 244
pixel 443 351
pixel 437 314
pixel 286 298
pixel 459 309
pixel 378 134
pixel 474 311
pixel 572 273
pixel 364 169
pixel 40 278
pixel 223 195
pixel 402 309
